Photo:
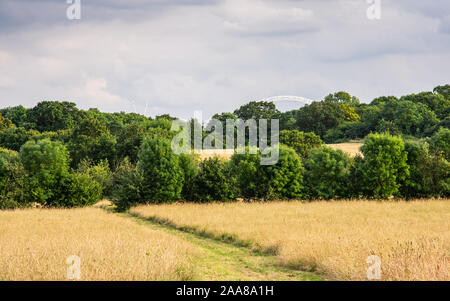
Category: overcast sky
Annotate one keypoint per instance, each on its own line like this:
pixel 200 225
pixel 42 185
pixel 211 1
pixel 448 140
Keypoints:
pixel 184 55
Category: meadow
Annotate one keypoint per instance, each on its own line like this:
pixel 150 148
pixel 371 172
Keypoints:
pixel 35 243
pixel 331 239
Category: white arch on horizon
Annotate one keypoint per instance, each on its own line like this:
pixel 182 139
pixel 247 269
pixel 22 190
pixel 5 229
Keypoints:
pixel 300 99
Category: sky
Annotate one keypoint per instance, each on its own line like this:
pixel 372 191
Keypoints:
pixel 154 57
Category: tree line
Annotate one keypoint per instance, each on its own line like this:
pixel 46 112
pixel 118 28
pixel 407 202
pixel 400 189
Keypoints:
pixel 55 154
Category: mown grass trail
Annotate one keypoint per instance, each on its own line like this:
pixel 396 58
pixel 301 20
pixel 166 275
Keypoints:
pixel 227 261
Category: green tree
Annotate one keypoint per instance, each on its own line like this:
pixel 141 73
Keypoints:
pixel 283 180
pixel 189 165
pixel 47 164
pixel 12 180
pixel 91 140
pixel 301 142
pixel 99 173
pixel 257 110
pixel 18 115
pixel 444 90
pixel 4 123
pixel 440 143
pixel 213 182
pixel 435 102
pixel 328 174
pixel 128 186
pixel 409 117
pixel 384 166
pixel 342 97
pixel 318 117
pixel 163 176
pixel 429 173
pixel 54 115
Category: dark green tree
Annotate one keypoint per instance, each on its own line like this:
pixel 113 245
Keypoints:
pixel 257 110
pixel 384 166
pixel 342 97
pixel 213 182
pixel 328 174
pixel 91 140
pixel 163 176
pixel 301 142
pixel 47 165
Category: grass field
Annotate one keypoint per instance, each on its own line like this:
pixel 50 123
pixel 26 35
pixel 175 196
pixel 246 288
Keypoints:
pixel 332 239
pixel 35 243
pixel 351 148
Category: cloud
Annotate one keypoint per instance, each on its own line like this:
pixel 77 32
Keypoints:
pixel 180 56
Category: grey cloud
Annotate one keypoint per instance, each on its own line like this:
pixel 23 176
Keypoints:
pixel 180 56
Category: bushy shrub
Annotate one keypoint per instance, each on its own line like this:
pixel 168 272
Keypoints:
pixel 127 186
pixel 440 143
pixel 81 190
pixel 14 137
pixel 383 167
pixel 248 176
pixel 12 180
pixel 213 182
pixel 301 142
pixel 99 173
pixel 429 173
pixel 188 164
pixel 163 176
pixel 328 174
pixel 283 180
pixel 47 164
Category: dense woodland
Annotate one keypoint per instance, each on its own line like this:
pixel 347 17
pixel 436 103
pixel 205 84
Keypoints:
pixel 55 154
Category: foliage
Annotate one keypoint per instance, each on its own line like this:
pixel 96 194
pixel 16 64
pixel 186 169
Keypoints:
pixel 384 165
pixel 328 174
pixel 429 173
pixel 81 190
pixel 342 97
pixel 12 180
pixel 163 176
pixel 188 164
pixel 301 142
pixel 409 117
pixel 440 143
pixel 54 115
pixel 282 180
pixel 4 123
pixel 47 164
pixel 257 110
pixel 91 139
pixel 99 173
pixel 18 115
pixel 127 186
pixel 318 117
pixel 443 90
pixel 213 182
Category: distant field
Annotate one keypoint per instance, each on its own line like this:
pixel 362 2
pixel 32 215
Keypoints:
pixel 35 243
pixel 351 148
pixel 331 238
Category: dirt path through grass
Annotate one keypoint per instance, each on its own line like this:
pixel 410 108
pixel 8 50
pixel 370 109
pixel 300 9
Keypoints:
pixel 225 261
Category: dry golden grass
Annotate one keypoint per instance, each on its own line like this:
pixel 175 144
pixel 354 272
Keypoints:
pixel 351 148
pixel 333 238
pixel 35 243
pixel 221 153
